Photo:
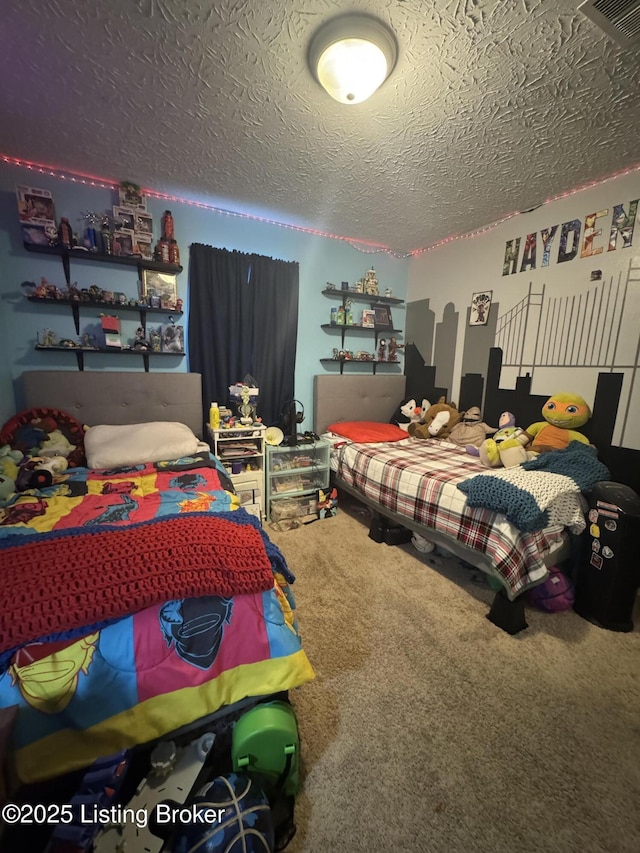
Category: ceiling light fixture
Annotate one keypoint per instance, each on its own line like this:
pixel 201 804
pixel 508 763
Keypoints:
pixel 351 56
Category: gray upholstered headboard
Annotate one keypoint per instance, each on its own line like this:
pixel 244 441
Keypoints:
pixel 113 397
pixel 355 398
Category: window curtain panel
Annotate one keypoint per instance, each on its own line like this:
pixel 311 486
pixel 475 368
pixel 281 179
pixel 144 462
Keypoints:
pixel 243 318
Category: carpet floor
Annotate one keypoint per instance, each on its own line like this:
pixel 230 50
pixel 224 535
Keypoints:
pixel 429 729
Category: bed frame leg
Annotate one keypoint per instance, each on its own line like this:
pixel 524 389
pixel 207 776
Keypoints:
pixel 506 614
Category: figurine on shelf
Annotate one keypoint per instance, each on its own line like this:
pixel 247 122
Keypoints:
pixel 87 341
pixel 371 282
pixel 65 233
pixel 179 304
pixel 91 238
pixel 106 236
pixel 155 339
pixel 47 338
pixel 140 342
pixel 74 292
pixel 393 350
pixel 382 350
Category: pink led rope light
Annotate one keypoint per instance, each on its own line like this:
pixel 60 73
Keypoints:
pixel 371 247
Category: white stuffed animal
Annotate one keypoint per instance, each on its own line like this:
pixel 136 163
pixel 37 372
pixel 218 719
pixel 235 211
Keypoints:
pixel 413 412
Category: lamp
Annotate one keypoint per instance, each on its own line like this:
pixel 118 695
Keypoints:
pixel 351 56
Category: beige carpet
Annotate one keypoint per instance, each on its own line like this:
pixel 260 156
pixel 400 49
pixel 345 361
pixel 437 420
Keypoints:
pixel 429 729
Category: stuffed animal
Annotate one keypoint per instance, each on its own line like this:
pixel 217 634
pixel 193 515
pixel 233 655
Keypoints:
pixel 9 461
pixel 471 431
pixel 437 421
pixel 499 451
pixel 562 414
pixel 412 412
pixel 38 472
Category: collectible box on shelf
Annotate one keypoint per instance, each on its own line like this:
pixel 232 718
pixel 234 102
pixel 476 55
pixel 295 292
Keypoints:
pixel 37 215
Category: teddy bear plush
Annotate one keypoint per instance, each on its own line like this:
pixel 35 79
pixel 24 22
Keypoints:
pixel 437 422
pixel 471 431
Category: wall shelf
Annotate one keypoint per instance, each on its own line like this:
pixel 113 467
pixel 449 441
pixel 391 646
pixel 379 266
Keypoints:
pixel 362 297
pixel 81 351
pixel 107 308
pixel 348 328
pixel 98 257
pixel 110 308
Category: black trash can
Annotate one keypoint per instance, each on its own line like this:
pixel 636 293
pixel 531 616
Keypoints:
pixel 608 574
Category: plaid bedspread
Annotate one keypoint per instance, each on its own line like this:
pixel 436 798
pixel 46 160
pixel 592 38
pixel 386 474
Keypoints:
pixel 418 479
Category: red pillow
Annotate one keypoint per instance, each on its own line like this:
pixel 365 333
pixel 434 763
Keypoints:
pixel 368 431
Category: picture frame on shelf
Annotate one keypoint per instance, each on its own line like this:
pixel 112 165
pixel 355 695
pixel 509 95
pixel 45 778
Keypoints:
pixel 143 246
pixel 130 195
pixel 382 317
pixel 124 219
pixel 172 338
pixel 123 243
pixel 368 318
pixel 143 223
pixel 160 285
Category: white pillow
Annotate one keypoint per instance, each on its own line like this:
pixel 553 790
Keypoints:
pixel 110 446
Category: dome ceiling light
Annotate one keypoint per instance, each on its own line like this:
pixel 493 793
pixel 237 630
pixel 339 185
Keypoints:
pixel 351 56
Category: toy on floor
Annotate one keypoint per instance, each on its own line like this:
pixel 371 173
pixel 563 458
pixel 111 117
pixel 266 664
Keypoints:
pixel 471 430
pixel 437 422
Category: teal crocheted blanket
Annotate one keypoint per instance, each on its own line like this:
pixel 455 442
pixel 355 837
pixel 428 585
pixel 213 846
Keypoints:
pixel 544 492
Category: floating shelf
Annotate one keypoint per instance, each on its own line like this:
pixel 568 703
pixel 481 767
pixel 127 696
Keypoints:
pixel 362 297
pixel 81 351
pixel 98 257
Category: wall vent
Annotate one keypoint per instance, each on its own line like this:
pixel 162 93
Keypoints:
pixel 619 19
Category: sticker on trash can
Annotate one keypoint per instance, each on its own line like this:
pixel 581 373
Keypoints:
pixel 595 545
pixel 607 552
pixel 594 530
pixel 607 513
pixel 610 525
pixel 593 515
pixel 596 560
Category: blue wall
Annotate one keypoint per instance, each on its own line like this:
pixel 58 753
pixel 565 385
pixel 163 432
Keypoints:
pixel 321 259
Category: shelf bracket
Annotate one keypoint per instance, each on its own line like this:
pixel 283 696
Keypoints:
pixel 80 359
pixel 75 310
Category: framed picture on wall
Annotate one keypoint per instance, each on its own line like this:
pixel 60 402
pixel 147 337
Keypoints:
pixel 159 285
pixel 480 305
pixel 382 317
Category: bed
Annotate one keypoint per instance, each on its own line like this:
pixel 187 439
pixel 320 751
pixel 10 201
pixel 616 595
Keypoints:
pixel 140 598
pixel 414 483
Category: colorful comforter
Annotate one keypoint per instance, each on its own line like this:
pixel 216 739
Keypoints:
pixel 419 480
pixel 136 601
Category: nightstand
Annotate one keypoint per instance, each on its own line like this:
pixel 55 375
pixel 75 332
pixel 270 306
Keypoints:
pixel 241 451
pixel 294 475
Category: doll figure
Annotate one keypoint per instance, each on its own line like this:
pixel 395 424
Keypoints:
pixel 382 350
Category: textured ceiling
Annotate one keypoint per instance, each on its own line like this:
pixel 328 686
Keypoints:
pixel 494 106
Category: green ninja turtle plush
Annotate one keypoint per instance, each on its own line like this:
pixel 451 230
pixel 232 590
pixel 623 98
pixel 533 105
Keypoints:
pixel 562 413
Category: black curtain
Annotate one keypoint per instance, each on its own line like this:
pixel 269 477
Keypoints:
pixel 243 318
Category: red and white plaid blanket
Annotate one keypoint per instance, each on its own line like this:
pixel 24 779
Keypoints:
pixel 418 479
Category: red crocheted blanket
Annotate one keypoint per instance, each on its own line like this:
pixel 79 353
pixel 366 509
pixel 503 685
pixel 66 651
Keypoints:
pixel 57 582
